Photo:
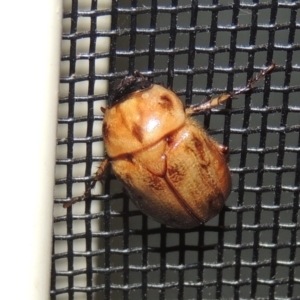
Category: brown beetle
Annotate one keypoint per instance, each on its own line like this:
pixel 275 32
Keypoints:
pixel 173 171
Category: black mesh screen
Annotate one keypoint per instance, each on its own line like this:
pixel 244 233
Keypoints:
pixel 106 248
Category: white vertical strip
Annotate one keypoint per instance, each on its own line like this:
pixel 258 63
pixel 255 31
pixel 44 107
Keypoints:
pixel 30 53
pixel 79 149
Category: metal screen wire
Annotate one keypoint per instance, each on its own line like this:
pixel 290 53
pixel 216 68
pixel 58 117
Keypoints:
pixel 106 248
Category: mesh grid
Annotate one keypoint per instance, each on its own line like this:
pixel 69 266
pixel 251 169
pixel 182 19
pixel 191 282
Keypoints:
pixel 106 248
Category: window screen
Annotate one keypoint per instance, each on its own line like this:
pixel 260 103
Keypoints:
pixel 105 248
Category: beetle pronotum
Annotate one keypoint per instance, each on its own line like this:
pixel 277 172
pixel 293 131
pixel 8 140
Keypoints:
pixel 173 171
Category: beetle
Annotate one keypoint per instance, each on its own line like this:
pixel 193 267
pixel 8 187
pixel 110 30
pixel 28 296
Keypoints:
pixel 172 169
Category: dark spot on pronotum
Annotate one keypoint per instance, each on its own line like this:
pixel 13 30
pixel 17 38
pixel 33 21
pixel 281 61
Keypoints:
pixel 137 132
pixel 165 102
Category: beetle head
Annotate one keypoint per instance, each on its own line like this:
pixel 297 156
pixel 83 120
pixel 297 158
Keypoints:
pixel 129 85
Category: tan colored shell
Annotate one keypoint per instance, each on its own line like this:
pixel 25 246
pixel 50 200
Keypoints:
pixel 144 119
pixel 182 181
pixel 173 171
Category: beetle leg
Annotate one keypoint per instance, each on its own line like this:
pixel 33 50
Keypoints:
pixel 98 176
pixel 194 109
